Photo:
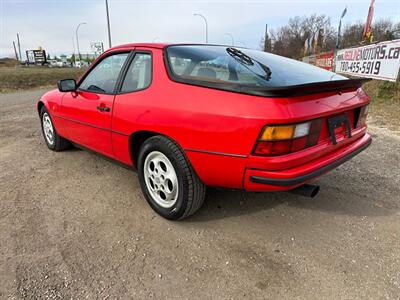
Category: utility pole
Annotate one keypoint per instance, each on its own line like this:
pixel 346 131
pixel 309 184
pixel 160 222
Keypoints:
pixel 73 46
pixel 108 25
pixel 15 51
pixel 73 49
pixel 266 38
pixel 19 47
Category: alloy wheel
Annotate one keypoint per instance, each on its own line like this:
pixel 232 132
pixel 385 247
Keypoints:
pixel 48 128
pixel 161 179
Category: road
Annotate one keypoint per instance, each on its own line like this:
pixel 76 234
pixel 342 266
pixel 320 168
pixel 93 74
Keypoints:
pixel 74 225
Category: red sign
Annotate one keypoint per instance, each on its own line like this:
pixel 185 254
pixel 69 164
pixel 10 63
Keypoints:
pixel 325 60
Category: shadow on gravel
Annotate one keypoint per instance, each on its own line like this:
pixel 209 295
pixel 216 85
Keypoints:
pixel 332 198
pixel 345 191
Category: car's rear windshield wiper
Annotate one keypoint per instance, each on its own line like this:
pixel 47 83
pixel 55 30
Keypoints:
pixel 248 61
pixel 237 54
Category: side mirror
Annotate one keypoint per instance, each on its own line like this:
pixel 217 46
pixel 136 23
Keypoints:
pixel 67 85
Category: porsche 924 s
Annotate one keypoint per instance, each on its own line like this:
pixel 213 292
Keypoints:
pixel 190 116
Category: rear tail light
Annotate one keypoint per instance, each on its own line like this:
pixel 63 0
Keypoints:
pixel 284 139
pixel 362 118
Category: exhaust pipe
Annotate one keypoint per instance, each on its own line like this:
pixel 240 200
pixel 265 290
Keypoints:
pixel 306 190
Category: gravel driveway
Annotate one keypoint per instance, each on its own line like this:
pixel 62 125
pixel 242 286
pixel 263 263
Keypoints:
pixel 74 225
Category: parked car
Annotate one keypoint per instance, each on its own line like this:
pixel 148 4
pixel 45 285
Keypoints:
pixel 52 63
pixel 62 64
pixel 81 64
pixel 191 116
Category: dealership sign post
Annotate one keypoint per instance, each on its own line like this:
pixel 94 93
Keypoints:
pixel 97 48
pixel 377 61
pixel 36 57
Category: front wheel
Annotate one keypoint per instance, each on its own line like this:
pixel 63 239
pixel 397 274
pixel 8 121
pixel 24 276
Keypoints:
pixel 167 179
pixel 53 140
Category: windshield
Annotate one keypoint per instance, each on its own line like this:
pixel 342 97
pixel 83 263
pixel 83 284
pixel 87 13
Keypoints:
pixel 239 66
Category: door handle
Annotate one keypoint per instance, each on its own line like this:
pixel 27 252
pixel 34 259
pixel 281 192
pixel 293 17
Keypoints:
pixel 103 108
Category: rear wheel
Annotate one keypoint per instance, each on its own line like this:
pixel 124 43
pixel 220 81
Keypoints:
pixel 53 140
pixel 167 179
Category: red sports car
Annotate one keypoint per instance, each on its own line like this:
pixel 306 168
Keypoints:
pixel 191 116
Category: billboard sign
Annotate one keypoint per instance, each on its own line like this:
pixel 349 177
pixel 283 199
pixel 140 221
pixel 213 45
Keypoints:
pixel 97 47
pixel 325 60
pixel 36 56
pixel 377 61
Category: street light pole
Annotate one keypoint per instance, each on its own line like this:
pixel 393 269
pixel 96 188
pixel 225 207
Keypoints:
pixel 231 36
pixel 77 39
pixel 205 21
pixel 108 25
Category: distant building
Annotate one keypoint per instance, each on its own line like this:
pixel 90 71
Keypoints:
pixel 63 58
pixel 89 56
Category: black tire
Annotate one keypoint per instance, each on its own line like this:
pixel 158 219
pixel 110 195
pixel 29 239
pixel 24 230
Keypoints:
pixel 191 190
pixel 59 143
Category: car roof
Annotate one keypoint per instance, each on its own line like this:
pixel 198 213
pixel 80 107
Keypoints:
pixel 160 45
pixel 146 45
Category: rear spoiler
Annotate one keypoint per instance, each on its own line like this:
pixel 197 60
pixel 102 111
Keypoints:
pixel 307 89
pixel 280 92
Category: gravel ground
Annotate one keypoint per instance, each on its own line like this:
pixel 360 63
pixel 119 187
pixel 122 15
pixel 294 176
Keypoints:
pixel 73 225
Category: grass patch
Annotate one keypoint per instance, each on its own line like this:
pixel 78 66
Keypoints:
pixel 22 78
pixel 385 103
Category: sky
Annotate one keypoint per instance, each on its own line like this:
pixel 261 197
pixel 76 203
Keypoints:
pixel 51 24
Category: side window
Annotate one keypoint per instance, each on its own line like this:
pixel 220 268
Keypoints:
pixel 103 78
pixel 138 76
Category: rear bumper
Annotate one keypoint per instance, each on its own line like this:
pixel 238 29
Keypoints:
pixel 279 180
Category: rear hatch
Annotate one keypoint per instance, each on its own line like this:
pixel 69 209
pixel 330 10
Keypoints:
pixel 328 106
pixel 311 125
pixel 337 125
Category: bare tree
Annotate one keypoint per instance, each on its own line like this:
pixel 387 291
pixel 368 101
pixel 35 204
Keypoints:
pixel 384 30
pixel 352 35
pixel 289 40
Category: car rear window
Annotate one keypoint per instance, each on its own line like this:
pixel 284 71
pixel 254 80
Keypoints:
pixel 221 65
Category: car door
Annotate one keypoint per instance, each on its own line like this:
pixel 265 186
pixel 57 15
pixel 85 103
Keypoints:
pixel 87 112
pixel 130 104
